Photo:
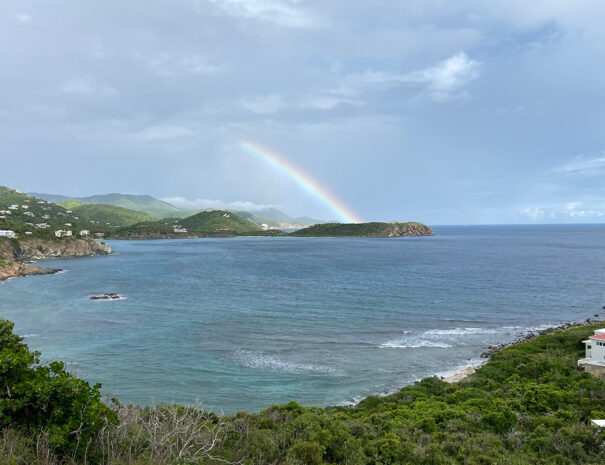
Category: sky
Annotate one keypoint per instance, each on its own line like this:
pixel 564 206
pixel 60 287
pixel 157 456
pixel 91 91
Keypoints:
pixel 465 112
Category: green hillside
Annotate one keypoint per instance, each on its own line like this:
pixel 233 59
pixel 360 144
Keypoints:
pixel 218 221
pixel 140 203
pixel 364 230
pixel 69 204
pixel 111 215
pixel 23 213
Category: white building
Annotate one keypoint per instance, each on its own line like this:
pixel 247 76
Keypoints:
pixel 594 362
pixel 7 233
pixel 13 207
pixel 62 233
pixel 85 232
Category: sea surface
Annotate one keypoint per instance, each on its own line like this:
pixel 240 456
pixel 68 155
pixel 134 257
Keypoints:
pixel 241 324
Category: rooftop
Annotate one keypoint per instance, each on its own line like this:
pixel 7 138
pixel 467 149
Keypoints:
pixel 601 337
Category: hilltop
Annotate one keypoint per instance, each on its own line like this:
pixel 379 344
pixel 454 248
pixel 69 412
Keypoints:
pixel 110 214
pixel 375 229
pixel 266 218
pixel 34 223
pixel 140 203
pixel 204 224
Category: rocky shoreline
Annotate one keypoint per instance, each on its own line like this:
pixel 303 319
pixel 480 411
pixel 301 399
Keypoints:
pixel 19 270
pixel 16 255
pixel 464 373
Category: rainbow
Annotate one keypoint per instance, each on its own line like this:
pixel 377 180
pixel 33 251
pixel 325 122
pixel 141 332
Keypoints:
pixel 303 179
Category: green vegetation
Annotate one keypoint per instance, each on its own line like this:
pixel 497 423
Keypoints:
pixel 140 203
pixel 530 404
pixel 70 204
pixel 218 221
pixel 364 230
pixel 111 215
pixel 32 211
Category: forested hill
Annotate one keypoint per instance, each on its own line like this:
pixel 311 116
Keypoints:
pixel 365 230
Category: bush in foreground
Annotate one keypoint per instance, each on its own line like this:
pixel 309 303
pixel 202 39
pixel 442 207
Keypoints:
pixel 529 405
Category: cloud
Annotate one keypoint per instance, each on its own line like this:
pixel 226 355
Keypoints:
pixel 85 86
pixel 175 64
pixel 445 80
pixel 199 204
pixel 163 132
pixel 593 165
pixel 264 104
pixel 533 213
pixel 573 210
pixel 279 12
pixel 272 103
pixel 23 18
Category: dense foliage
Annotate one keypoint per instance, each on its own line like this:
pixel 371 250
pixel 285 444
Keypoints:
pixel 375 229
pixel 35 397
pixel 111 215
pixel 530 404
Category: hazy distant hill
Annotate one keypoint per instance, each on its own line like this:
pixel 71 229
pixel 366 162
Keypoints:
pixel 110 214
pixel 141 203
pixel 148 204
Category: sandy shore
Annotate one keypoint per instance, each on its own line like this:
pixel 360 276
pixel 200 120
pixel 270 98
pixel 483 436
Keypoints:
pixel 463 374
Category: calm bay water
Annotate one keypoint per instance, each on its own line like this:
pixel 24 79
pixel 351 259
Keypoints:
pixel 240 324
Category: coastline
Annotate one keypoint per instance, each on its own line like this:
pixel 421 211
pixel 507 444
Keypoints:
pixel 20 270
pixel 465 373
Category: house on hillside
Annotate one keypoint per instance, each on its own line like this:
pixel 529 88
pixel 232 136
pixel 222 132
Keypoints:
pixel 62 233
pixel 594 362
pixel 43 225
pixel 7 233
pixel 85 232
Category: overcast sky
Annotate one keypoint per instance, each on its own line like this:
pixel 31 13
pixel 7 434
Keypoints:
pixel 446 112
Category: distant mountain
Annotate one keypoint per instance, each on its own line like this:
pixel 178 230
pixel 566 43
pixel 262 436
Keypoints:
pixel 280 218
pixel 109 214
pixel 141 203
pixel 148 204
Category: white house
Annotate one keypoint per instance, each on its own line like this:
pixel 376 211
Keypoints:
pixel 62 233
pixel 594 362
pixel 7 233
pixel 85 232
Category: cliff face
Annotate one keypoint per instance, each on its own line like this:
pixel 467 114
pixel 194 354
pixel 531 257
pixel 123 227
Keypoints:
pixel 38 249
pixel 18 269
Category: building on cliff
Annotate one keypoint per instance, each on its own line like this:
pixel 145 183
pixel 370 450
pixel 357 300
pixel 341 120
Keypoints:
pixel 62 233
pixel 594 362
pixel 7 233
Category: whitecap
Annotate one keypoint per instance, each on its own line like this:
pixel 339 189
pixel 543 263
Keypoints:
pixel 412 344
pixel 272 362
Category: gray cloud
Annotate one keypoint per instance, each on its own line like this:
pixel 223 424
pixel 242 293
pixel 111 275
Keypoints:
pixel 200 204
pixel 366 100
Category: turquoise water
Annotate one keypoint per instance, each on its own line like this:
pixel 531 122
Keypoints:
pixel 240 324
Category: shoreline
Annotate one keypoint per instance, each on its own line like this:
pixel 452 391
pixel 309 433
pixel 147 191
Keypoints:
pixel 21 270
pixel 466 372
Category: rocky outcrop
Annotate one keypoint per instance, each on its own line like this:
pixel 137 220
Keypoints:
pixel 18 269
pixel 39 249
pixel 374 229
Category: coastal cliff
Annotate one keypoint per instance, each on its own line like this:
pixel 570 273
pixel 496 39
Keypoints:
pixel 18 269
pixel 14 253
pixel 40 249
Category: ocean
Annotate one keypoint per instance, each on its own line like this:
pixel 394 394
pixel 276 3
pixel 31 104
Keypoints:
pixel 244 323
